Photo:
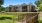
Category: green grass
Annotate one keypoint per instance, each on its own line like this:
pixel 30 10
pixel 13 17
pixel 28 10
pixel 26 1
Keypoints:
pixel 40 21
pixel 12 15
pixel 6 21
pixel 15 18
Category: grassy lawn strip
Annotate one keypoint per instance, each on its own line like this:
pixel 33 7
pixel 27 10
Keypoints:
pixel 40 21
pixel 14 17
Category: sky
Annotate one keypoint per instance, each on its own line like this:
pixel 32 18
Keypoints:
pixel 16 2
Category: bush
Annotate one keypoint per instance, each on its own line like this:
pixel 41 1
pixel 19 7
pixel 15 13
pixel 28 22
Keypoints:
pixel 3 18
pixel 9 18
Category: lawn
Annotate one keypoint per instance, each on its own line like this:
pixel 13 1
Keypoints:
pixel 40 17
pixel 14 17
pixel 40 21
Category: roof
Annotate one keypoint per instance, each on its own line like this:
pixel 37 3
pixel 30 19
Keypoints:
pixel 20 5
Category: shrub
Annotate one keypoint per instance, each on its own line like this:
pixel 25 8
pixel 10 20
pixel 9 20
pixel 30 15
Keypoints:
pixel 9 18
pixel 3 18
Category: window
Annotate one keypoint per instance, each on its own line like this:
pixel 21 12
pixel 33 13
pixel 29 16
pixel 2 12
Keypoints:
pixel 24 8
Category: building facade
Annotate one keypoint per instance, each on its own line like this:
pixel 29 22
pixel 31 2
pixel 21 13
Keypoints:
pixel 21 8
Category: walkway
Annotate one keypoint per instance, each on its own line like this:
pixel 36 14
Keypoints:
pixel 27 18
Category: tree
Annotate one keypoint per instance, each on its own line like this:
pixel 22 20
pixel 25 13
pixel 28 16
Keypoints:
pixel 1 3
pixel 2 8
pixel 39 4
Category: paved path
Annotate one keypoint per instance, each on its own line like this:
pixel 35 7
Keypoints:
pixel 24 20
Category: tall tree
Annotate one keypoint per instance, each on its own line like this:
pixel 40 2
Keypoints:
pixel 39 4
pixel 1 3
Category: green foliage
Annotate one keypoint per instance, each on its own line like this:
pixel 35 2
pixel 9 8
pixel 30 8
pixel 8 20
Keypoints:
pixel 39 4
pixel 1 2
pixel 2 8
